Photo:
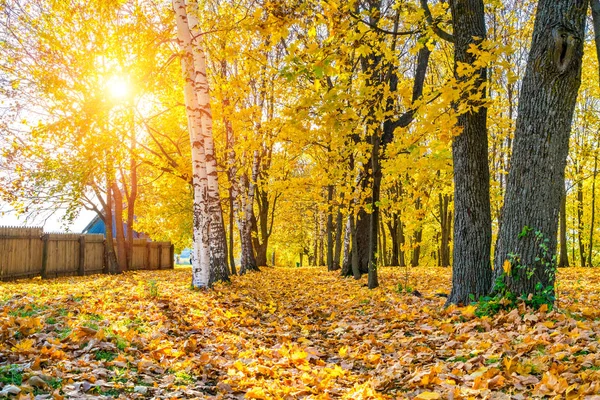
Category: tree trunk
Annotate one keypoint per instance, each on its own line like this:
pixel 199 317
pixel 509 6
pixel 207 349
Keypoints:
pixel 401 242
pixel 219 270
pixel 417 238
pixel 330 264
pixel 580 219
pixel 347 256
pixel 231 232
pixel 112 266
pixel 133 191
pixel 355 264
pixel 393 228
pixel 445 227
pixel 591 244
pixel 564 253
pixel 201 265
pixel 383 244
pixel 321 233
pixel 248 261
pixel 527 236
pixel 471 272
pixel 338 239
pixel 119 230
pixel 262 240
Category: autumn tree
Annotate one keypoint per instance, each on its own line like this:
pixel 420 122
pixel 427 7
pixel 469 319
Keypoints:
pixel 471 273
pixel 210 255
pixel 525 255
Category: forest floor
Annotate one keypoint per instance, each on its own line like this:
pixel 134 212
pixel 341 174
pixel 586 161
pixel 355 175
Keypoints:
pixel 291 333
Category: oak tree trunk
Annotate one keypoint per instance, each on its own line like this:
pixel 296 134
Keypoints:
pixel 564 252
pixel 471 272
pixel 527 236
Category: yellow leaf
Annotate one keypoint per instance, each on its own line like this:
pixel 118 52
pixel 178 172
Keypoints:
pixel 343 351
pixel 299 355
pixel 24 346
pixel 429 396
pixel 507 267
pixel 468 311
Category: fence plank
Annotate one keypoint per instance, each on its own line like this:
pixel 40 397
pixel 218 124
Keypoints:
pixel 29 252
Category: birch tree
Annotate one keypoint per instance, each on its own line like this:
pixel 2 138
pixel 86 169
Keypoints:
pixel 209 261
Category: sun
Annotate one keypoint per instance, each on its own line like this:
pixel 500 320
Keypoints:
pixel 118 87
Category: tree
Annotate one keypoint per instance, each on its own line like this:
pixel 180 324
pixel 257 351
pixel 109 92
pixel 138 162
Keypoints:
pixel 525 257
pixel 471 272
pixel 210 255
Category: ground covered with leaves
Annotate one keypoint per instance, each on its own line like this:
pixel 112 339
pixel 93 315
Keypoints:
pixel 291 334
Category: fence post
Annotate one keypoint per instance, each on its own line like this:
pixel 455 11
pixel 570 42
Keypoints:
pixel 148 264
pixel 172 253
pixel 160 251
pixel 104 258
pixel 44 255
pixel 81 270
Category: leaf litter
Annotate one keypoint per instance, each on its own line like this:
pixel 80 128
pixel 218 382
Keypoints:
pixel 291 333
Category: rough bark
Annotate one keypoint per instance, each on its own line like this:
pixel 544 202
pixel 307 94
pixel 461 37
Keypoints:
pixel 471 272
pixel 541 143
pixel 445 229
pixel 564 252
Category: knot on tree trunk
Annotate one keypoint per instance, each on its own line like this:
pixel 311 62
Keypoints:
pixel 565 45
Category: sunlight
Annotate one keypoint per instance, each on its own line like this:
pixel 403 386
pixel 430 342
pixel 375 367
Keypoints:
pixel 118 87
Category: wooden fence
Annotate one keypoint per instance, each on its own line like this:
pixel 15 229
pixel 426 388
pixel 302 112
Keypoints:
pixel 29 252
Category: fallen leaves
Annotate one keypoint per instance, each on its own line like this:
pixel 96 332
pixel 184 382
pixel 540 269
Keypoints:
pixel 289 333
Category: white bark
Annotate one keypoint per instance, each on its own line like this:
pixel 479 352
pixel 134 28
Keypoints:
pixel 347 233
pixel 201 273
pixel 218 242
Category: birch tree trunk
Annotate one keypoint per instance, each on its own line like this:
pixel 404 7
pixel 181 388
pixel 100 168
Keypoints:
pixel 346 256
pixel 201 275
pixel 218 241
pixel 527 237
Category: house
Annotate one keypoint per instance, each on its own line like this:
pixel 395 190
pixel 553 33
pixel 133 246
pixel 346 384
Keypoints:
pixel 97 225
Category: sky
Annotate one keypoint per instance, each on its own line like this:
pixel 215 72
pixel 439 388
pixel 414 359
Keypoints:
pixel 52 223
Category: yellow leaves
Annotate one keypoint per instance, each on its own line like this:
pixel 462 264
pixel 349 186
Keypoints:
pixel 551 385
pixel 428 396
pixel 24 346
pixel 311 333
